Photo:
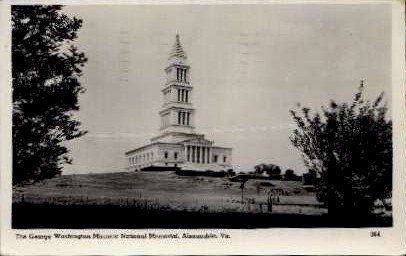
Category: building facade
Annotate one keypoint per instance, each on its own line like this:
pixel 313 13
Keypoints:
pixel 178 145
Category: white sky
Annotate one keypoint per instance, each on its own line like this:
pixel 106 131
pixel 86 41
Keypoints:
pixel 250 64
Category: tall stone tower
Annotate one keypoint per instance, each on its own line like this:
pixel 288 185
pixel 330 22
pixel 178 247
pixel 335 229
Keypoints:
pixel 178 145
pixel 177 113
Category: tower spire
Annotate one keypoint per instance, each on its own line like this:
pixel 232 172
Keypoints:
pixel 177 114
pixel 177 50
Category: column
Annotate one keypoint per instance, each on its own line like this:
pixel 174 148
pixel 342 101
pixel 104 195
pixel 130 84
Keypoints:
pixel 187 96
pixel 196 156
pixel 201 154
pixel 185 156
pixel 193 153
pixel 203 150
pixel 187 118
pixel 183 117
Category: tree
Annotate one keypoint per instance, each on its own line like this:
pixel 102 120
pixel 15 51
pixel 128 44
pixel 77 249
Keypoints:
pixel 270 169
pixel 291 175
pixel 350 148
pixel 259 168
pixel 46 67
pixel 310 178
pixel 273 170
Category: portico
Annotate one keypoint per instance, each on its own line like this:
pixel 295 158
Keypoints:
pixel 198 154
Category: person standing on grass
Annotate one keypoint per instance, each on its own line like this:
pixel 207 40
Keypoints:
pixel 270 201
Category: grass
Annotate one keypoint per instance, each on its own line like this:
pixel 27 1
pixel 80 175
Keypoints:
pixel 166 200
pixel 166 190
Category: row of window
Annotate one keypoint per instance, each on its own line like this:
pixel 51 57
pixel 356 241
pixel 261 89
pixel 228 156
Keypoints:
pixel 183 118
pixel 146 157
pixel 183 95
pixel 181 74
pixel 175 155
pixel 215 158
pixel 192 155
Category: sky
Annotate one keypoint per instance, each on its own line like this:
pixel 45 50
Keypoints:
pixel 250 64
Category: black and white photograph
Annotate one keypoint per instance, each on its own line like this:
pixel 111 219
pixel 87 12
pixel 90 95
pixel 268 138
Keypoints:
pixel 282 121
pixel 202 116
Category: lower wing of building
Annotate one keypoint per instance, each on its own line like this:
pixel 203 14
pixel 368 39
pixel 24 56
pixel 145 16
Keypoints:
pixel 192 154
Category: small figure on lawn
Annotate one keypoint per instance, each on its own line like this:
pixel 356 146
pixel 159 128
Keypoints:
pixel 270 202
pixel 242 186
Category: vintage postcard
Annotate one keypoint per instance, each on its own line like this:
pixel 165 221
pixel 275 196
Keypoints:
pixel 202 127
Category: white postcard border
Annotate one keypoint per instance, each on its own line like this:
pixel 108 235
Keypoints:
pixel 254 241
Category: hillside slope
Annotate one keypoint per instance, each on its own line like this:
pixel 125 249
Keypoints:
pixel 166 190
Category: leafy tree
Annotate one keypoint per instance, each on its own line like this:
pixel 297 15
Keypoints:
pixel 289 172
pixel 270 169
pixel 350 148
pixel 310 178
pixel 46 67
pixel 259 168
pixel 291 175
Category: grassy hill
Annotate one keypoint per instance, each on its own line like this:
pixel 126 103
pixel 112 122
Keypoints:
pixel 166 200
pixel 166 190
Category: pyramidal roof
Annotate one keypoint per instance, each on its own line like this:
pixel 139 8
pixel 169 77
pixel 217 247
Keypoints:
pixel 177 50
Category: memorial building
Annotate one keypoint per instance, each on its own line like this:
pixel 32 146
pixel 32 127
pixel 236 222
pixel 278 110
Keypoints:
pixel 178 146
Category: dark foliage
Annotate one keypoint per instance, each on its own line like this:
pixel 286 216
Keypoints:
pixel 45 71
pixel 291 175
pixel 208 173
pixel 266 184
pixel 350 148
pixel 270 169
pixel 310 178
